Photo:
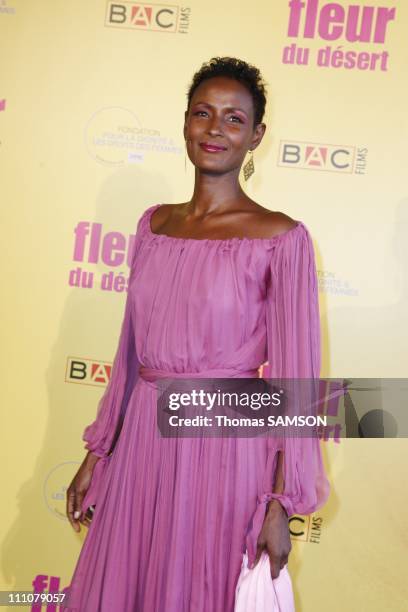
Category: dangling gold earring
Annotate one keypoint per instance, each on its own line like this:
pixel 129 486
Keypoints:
pixel 249 167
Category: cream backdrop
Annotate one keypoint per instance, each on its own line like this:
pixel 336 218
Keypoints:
pixel 91 117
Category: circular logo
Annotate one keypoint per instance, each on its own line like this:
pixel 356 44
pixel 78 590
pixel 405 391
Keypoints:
pixel 112 136
pixel 56 485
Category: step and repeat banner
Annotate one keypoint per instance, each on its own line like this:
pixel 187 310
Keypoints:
pixel 92 101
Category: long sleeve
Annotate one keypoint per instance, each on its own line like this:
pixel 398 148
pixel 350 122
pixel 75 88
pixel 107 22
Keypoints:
pixel 294 351
pixel 100 436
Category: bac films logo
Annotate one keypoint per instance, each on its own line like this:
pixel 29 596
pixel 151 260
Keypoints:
pixel 343 159
pixel 306 528
pixel 153 17
pixel 87 371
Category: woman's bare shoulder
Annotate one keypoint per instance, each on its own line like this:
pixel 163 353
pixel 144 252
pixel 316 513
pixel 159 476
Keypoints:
pixel 278 222
pixel 164 213
pixel 264 223
pixel 273 222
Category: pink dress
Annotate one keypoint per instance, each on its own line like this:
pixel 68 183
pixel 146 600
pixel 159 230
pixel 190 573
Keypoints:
pixel 176 518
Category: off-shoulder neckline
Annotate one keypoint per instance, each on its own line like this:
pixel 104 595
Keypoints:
pixel 233 239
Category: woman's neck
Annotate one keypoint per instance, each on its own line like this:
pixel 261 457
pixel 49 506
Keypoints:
pixel 215 193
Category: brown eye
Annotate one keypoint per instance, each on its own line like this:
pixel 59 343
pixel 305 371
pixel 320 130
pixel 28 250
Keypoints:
pixel 236 118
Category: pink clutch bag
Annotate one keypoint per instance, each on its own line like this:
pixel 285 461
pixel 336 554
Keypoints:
pixel 257 592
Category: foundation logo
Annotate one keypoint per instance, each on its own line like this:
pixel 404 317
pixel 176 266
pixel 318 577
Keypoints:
pixel 114 136
pixel 56 485
pixel 342 159
pixel 153 17
pixel 329 282
pixel 84 371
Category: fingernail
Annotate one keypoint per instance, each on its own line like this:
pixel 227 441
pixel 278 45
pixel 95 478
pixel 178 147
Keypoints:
pixel 77 514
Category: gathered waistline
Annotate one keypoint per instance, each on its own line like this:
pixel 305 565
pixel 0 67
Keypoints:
pixel 153 374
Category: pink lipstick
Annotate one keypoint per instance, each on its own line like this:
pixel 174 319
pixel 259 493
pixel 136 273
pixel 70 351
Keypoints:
pixel 211 148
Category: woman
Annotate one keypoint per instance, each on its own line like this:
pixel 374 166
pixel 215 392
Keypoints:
pixel 218 285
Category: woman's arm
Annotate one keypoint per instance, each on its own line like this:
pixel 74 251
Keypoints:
pixel 274 537
pixel 293 338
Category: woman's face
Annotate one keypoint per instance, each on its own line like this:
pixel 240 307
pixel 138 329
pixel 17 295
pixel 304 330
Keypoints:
pixel 219 125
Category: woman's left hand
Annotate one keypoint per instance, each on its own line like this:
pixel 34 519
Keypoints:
pixel 274 538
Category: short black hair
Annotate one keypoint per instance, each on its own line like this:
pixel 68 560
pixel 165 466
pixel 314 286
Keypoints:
pixel 237 69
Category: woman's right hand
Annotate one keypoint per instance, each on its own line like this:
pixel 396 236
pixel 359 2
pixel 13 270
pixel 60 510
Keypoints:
pixel 77 491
